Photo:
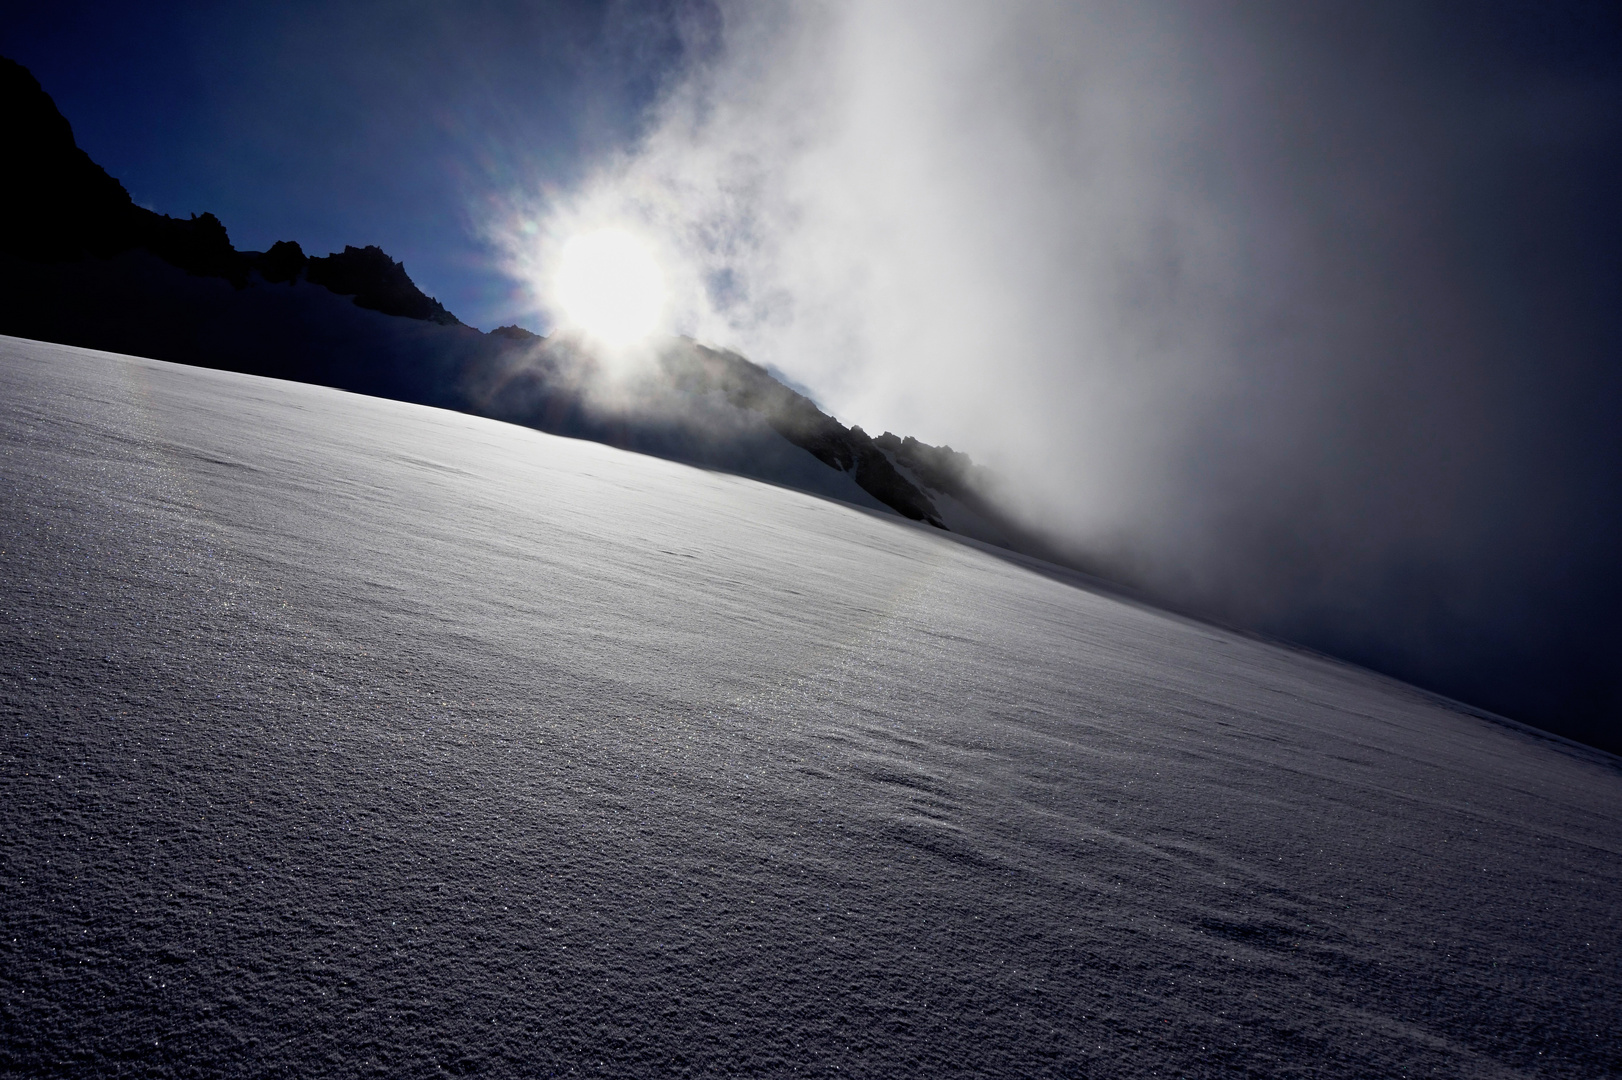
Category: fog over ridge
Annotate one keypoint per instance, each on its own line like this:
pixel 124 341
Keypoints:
pixel 1280 314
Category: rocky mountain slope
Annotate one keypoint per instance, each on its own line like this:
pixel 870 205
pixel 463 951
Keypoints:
pixel 81 264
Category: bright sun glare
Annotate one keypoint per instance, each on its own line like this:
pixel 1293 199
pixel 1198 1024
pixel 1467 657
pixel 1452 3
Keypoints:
pixel 609 285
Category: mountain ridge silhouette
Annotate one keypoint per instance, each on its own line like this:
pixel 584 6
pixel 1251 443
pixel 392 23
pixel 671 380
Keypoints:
pixel 82 264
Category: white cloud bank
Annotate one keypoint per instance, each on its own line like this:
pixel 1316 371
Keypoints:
pixel 1209 285
pixel 949 220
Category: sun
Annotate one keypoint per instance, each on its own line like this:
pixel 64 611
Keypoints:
pixel 609 285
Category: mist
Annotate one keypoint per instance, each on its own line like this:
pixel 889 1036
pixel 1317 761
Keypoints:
pixel 1299 320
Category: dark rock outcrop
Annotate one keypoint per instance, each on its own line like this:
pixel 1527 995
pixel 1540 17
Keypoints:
pixel 199 246
pixel 283 263
pixel 517 334
pixel 377 283
pixel 794 416
pixel 937 467
pixel 942 470
pixel 58 203
pixel 60 206
pixel 881 479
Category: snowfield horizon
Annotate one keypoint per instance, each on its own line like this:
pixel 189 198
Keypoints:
pixel 344 735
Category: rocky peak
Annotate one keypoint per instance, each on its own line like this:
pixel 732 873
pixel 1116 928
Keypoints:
pixel 516 333
pixel 60 206
pixel 376 282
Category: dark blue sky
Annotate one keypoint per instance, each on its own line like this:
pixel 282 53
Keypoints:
pixel 359 123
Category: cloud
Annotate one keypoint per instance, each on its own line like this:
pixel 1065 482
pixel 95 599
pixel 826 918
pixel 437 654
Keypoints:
pixel 888 217
pixel 1231 296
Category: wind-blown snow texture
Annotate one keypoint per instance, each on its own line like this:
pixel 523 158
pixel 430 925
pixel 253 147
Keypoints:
pixel 343 736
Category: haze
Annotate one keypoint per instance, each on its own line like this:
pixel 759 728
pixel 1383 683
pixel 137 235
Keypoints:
pixel 1299 318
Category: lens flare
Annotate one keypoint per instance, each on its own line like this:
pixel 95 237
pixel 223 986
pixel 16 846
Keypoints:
pixel 609 285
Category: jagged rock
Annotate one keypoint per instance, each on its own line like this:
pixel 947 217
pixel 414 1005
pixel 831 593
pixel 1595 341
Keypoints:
pixel 879 478
pixel 199 246
pixel 376 282
pixel 517 334
pixel 60 205
pixel 937 467
pixel 794 416
pixel 748 386
pixel 284 262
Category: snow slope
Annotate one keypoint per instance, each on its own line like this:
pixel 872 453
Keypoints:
pixel 344 736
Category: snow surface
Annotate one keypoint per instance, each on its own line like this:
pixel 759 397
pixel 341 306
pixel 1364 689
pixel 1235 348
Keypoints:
pixel 343 736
